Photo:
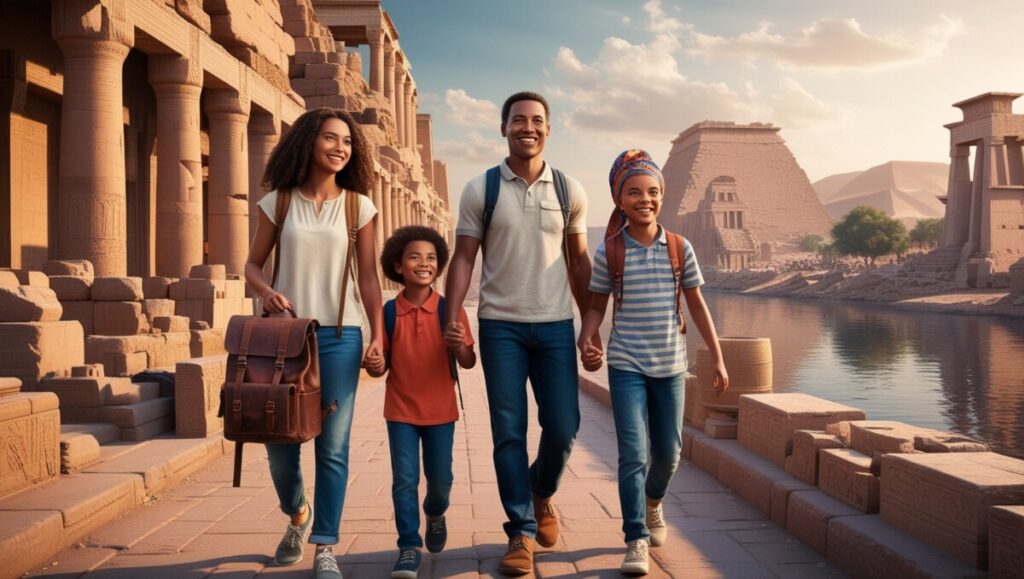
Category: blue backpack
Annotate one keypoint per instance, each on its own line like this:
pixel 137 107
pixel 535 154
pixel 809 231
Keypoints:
pixel 493 181
pixel 391 314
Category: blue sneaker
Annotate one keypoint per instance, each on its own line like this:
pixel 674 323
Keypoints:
pixel 408 564
pixel 437 534
pixel 289 550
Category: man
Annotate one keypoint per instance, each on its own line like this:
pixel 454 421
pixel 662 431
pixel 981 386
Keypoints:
pixel 526 319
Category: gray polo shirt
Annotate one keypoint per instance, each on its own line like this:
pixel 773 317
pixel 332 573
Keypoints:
pixel 524 277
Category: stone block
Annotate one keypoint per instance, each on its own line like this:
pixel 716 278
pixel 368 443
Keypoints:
pixel 85 501
pixel 204 289
pixel 28 539
pixel 81 312
pixel 77 451
pixel 154 308
pixel 170 349
pixel 156 287
pixel 767 421
pixel 845 474
pixel 74 267
pixel 176 290
pixel 721 427
pixel 705 454
pixel 689 433
pixel 947 442
pixel 79 415
pixel 30 431
pixel 69 288
pixel 215 312
pixel 234 289
pixel 1005 542
pixel 148 430
pixel 33 350
pixel 132 415
pixel 872 437
pixel 781 490
pixel 214 271
pixel 808 517
pixel 749 475
pixel 117 289
pixel 135 392
pixel 943 499
pixel 87 371
pixel 85 392
pixel 118 364
pixel 803 463
pixel 9 386
pixel 171 324
pixel 29 304
pixel 31 278
pixel 119 319
pixel 192 10
pixel 103 432
pixel 8 279
pixel 197 395
pixel 866 547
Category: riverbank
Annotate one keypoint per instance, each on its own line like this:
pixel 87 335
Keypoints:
pixel 889 284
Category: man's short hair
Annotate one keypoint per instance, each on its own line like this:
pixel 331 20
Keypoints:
pixel 523 96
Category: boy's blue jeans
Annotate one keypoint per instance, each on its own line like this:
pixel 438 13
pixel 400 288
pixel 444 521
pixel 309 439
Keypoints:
pixel 339 374
pixel 640 402
pixel 404 440
pixel 545 353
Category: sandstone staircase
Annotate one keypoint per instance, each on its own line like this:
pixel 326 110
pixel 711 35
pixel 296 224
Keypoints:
pixel 940 263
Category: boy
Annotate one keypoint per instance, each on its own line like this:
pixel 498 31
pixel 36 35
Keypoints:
pixel 419 403
pixel 646 351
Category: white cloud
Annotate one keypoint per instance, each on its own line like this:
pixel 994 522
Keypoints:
pixel 475 149
pixel 793 107
pixel 832 44
pixel 468 111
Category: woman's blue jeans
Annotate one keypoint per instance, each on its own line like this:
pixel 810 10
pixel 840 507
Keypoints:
pixel 545 353
pixel 339 374
pixel 640 403
pixel 404 440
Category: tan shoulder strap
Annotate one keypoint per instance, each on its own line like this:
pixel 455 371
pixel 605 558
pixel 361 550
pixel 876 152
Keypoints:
pixel 677 256
pixel 352 227
pixel 284 201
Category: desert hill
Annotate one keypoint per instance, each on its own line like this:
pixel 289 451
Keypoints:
pixel 906 190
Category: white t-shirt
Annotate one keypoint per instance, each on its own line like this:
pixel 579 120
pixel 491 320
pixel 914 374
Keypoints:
pixel 313 248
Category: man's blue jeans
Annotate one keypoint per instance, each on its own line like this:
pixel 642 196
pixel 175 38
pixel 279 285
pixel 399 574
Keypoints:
pixel 545 353
pixel 640 402
pixel 339 374
pixel 404 440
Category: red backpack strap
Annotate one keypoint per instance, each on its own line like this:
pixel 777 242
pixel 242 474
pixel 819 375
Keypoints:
pixel 615 252
pixel 677 256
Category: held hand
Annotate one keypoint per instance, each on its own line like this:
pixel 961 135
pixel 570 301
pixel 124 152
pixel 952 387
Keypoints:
pixel 454 335
pixel 373 361
pixel 591 357
pixel 275 302
pixel 721 381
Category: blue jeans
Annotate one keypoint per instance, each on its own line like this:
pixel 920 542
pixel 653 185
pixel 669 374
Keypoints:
pixel 640 402
pixel 339 374
pixel 545 353
pixel 404 440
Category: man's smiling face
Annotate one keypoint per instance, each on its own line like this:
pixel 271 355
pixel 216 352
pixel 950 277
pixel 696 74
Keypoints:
pixel 526 130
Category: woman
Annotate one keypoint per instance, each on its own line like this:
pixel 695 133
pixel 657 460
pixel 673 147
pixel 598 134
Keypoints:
pixel 320 160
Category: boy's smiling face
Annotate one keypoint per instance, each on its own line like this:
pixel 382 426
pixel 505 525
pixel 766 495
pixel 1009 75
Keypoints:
pixel 641 199
pixel 419 264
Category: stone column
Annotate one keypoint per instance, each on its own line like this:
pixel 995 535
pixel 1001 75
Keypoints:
pixel 91 182
pixel 376 39
pixel 400 105
pixel 410 120
pixel 228 203
pixel 264 133
pixel 378 192
pixel 413 111
pixel 387 220
pixel 389 76
pixel 177 82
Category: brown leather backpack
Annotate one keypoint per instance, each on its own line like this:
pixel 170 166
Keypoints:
pixel 272 390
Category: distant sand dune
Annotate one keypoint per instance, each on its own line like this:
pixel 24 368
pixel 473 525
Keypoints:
pixel 906 190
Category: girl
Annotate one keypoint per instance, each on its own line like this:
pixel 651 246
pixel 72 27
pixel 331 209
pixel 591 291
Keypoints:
pixel 646 349
pixel 321 160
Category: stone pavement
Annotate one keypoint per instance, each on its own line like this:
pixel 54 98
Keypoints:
pixel 204 527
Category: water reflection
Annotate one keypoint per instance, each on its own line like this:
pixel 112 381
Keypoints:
pixel 959 373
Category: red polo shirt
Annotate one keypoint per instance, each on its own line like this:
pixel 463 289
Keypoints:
pixel 420 388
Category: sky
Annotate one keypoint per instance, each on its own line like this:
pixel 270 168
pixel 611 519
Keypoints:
pixel 851 84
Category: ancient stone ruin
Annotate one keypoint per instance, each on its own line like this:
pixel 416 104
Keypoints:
pixel 721 237
pixel 780 203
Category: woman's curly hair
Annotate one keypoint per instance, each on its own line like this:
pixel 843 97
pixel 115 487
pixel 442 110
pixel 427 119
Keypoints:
pixel 289 162
pixel 394 248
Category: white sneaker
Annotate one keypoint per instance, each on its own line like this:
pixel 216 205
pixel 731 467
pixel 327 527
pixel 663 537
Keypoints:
pixel 635 562
pixel 656 523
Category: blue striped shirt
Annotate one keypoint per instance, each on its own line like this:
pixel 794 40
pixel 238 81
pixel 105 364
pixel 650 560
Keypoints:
pixel 645 335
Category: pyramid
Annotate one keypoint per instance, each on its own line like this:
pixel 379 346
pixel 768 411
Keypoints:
pixel 781 204
pixel 906 190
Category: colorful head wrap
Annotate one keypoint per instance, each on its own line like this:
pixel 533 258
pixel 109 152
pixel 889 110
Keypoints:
pixel 627 164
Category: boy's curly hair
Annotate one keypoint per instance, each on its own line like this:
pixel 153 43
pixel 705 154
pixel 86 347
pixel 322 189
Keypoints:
pixel 394 247
pixel 288 165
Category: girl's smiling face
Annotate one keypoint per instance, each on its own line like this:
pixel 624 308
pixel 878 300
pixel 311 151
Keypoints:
pixel 641 199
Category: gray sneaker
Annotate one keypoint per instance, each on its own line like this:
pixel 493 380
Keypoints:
pixel 325 566
pixel 635 562
pixel 289 550
pixel 656 523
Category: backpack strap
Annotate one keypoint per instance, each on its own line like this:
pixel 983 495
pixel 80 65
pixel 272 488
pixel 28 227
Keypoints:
pixel 284 202
pixel 562 192
pixel 390 313
pixel 677 256
pixel 493 183
pixel 352 226
pixel 615 254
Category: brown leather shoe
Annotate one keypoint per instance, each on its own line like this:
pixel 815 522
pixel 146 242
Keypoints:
pixel 547 521
pixel 518 560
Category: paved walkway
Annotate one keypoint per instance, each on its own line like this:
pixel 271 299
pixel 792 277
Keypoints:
pixel 204 527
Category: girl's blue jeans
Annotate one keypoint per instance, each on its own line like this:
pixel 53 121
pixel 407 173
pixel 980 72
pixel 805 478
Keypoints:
pixel 404 440
pixel 639 403
pixel 339 374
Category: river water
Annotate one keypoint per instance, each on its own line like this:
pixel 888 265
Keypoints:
pixel 959 373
